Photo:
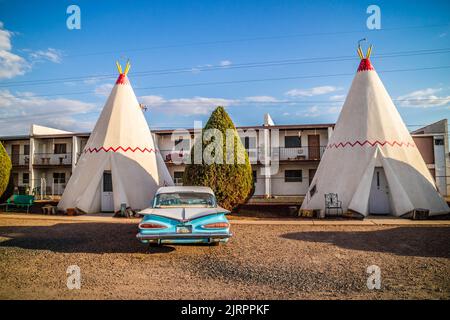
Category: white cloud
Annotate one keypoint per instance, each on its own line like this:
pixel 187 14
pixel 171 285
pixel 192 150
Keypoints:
pixel 184 106
pixel 311 91
pixel 104 89
pixel 52 55
pixel 19 110
pixel 315 111
pixel 11 64
pixel 91 80
pixel 262 99
pixel 225 63
pixel 338 97
pixel 5 38
pixel 199 105
pixel 425 98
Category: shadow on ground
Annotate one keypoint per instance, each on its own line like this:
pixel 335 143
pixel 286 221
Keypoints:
pixel 78 238
pixel 402 241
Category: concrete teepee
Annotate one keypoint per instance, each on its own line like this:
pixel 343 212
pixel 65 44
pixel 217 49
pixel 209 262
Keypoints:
pixel 371 161
pixel 120 163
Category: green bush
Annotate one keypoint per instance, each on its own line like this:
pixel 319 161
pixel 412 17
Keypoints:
pixel 9 190
pixel 232 181
pixel 5 169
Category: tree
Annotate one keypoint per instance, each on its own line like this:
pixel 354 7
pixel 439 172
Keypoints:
pixel 224 165
pixel 9 190
pixel 5 169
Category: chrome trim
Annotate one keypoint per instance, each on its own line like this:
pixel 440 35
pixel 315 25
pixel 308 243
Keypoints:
pixel 183 236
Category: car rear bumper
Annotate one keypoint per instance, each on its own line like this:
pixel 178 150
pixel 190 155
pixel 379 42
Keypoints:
pixel 173 236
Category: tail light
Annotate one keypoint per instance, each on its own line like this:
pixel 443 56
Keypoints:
pixel 147 225
pixel 218 225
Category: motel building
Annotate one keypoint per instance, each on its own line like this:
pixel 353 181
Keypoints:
pixel 44 160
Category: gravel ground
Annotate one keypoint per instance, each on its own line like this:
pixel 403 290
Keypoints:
pixel 260 262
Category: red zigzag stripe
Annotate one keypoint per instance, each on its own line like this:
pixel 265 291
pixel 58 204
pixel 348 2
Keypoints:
pixel 367 142
pixel 91 150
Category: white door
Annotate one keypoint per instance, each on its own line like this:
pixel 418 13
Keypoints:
pixel 379 193
pixel 107 192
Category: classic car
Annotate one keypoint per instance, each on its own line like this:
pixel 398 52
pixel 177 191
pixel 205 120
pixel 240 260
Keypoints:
pixel 184 215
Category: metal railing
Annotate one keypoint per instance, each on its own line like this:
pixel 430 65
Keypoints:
pixel 282 153
pixel 52 159
pixel 302 153
pixel 177 156
pixel 20 159
pixel 47 188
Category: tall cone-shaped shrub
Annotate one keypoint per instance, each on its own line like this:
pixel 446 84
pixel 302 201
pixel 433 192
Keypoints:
pixel 231 179
pixel 5 169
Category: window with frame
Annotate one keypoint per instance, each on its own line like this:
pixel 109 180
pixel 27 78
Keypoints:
pixel 25 178
pixel 292 142
pixel 26 149
pixel 60 148
pixel 59 177
pixel 293 176
pixel 255 176
pixel 178 177
pixel 438 142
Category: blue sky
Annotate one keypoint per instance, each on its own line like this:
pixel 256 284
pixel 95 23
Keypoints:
pixel 215 41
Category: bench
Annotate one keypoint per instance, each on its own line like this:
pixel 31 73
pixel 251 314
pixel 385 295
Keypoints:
pixel 332 202
pixel 20 201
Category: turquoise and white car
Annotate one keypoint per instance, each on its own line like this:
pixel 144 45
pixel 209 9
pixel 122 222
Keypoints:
pixel 184 215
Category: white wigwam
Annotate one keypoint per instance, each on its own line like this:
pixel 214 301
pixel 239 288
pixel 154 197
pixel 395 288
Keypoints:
pixel 121 145
pixel 371 161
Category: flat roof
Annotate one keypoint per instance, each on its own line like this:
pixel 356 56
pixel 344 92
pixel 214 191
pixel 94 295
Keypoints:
pixel 280 127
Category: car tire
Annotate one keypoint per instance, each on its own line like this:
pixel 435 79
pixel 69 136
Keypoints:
pixel 154 245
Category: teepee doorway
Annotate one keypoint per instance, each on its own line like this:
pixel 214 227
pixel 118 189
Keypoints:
pixel 107 200
pixel 379 202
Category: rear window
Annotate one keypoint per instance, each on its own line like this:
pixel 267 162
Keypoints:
pixel 184 199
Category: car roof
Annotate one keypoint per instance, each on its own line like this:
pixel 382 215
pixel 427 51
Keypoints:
pixel 185 189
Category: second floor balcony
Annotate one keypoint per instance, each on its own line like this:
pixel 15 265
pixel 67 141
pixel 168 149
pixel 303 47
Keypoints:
pixel 301 153
pixel 20 160
pixel 52 159
pixel 307 153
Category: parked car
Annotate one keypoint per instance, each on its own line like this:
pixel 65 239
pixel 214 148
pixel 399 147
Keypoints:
pixel 184 214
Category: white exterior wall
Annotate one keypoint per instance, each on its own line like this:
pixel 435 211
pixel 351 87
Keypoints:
pixel 47 174
pixel 440 166
pixel 273 186
pixel 259 186
pixel 282 188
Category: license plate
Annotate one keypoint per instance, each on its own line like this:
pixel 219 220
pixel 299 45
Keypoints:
pixel 184 229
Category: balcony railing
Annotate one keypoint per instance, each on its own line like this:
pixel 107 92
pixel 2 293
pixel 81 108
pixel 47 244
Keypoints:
pixel 47 188
pixel 255 154
pixel 175 156
pixel 302 153
pixel 52 159
pixel 20 159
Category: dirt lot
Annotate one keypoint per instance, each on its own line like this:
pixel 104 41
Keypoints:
pixel 261 261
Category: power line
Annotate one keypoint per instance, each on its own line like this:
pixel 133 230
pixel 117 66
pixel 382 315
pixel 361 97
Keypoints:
pixel 219 67
pixel 246 81
pixel 261 38
pixel 243 102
